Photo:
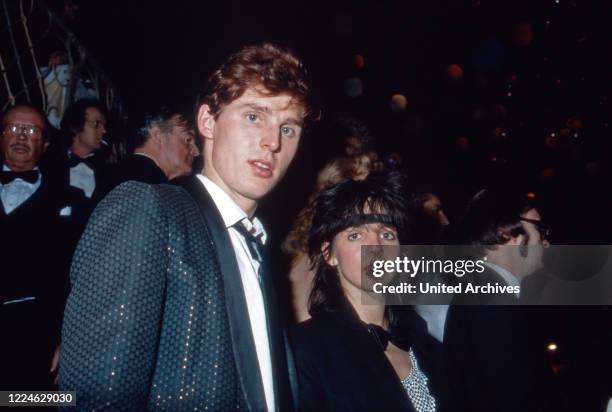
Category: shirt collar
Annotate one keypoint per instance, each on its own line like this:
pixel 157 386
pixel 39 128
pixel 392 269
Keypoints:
pixel 231 213
pixel 510 279
pixel 86 157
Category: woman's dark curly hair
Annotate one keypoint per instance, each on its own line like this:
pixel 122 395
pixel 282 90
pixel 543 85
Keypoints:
pixel 381 197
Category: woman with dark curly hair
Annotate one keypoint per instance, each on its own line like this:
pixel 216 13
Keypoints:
pixel 296 243
pixel 356 353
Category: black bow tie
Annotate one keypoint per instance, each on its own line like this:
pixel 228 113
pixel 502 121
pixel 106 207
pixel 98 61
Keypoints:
pixel 382 337
pixel 7 176
pixel 74 160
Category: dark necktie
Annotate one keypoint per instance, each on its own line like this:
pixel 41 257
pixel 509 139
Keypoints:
pixel 74 160
pixel 278 342
pixel 254 243
pixel 382 337
pixel 7 176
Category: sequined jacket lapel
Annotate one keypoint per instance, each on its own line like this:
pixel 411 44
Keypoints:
pixel 237 311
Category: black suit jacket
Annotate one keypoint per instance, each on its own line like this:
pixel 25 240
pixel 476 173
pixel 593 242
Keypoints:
pixel 139 168
pixel 157 316
pixel 35 243
pixel 55 164
pixel 341 367
pixel 493 348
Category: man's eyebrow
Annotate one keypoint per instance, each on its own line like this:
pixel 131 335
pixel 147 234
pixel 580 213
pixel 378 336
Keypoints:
pixel 294 121
pixel 256 107
pixel 267 110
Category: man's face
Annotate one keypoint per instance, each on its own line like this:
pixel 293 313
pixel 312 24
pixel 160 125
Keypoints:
pixel 94 129
pixel 250 144
pixel 362 166
pixel 178 149
pixel 21 150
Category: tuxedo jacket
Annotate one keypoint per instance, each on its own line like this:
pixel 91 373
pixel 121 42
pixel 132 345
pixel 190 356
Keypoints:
pixel 35 249
pixel 55 164
pixel 139 168
pixel 157 317
pixel 494 354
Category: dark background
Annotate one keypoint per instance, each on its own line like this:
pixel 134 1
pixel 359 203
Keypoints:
pixel 552 135
pixel 532 107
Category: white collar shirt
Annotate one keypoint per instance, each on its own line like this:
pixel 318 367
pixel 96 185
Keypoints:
pixel 83 177
pixel 16 192
pixel 435 317
pixel 507 276
pixel 231 214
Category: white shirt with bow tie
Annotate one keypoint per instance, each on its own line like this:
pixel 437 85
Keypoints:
pixel 13 194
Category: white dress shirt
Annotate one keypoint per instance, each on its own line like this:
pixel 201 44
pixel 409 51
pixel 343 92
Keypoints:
pixel 248 266
pixel 435 316
pixel 506 275
pixel 18 191
pixel 83 177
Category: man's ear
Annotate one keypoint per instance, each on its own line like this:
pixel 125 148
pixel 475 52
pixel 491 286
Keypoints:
pixel 515 240
pixel 205 122
pixel 156 135
pixel 45 145
pixel 328 254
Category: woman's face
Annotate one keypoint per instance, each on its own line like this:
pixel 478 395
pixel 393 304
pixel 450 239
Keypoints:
pixel 362 166
pixel 345 251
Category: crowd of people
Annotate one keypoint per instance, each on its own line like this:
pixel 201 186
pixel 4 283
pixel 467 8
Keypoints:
pixel 150 285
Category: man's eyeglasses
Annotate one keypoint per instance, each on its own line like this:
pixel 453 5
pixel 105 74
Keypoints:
pixel 96 124
pixel 543 228
pixel 28 130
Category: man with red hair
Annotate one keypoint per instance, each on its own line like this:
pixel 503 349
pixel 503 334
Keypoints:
pixel 172 303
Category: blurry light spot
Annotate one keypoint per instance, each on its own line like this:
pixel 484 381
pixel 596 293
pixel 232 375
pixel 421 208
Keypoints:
pixel 552 346
pixel 359 61
pixel 398 103
pixel 455 71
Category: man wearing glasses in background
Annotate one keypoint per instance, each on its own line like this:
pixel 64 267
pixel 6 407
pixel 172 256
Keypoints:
pixel 494 345
pixel 84 167
pixel 34 265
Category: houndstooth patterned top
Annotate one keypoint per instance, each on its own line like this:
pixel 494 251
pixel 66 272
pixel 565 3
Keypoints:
pixel 415 385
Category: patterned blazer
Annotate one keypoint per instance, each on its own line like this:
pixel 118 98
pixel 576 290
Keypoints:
pixel 157 317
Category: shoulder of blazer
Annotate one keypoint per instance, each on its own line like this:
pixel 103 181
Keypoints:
pixel 318 331
pixel 194 187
